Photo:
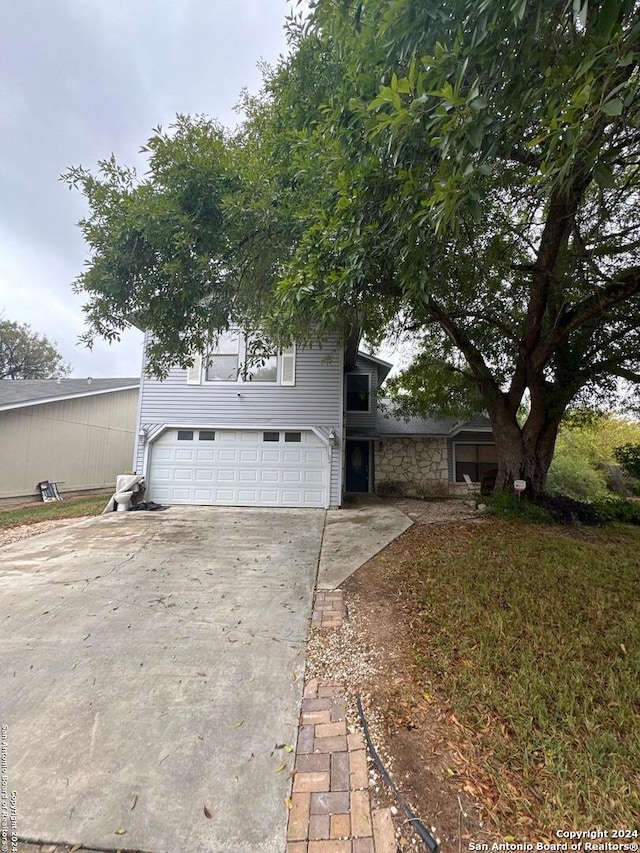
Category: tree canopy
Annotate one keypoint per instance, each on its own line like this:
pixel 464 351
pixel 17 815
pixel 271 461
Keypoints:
pixel 466 171
pixel 24 354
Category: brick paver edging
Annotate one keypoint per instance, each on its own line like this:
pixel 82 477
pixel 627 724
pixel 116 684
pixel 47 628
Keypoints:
pixel 331 808
pixel 328 609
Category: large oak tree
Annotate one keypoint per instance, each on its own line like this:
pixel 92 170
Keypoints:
pixel 464 170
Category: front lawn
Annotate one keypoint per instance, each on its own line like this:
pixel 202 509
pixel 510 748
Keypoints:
pixel 33 513
pixel 531 635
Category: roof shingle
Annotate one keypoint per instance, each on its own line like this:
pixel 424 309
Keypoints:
pixel 14 392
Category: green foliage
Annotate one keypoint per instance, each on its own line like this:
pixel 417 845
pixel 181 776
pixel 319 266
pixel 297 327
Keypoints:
pixel 432 386
pixel 160 246
pixel 628 455
pixel 613 508
pixel 24 354
pixel 466 171
pixel 597 436
pixel 572 474
pixel 506 504
pixel 586 446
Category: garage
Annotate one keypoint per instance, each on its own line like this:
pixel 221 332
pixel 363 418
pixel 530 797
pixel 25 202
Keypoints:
pixel 239 467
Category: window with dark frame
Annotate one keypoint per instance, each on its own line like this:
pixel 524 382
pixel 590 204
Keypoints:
pixel 206 435
pixel 358 392
pixel 476 460
pixel 271 436
pixel 185 435
pixel 293 436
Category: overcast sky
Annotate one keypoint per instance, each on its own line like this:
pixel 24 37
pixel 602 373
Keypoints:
pixel 79 80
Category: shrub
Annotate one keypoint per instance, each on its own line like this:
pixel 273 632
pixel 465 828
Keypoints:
pixel 586 452
pixel 628 455
pixel 566 510
pixel 558 509
pixel 618 509
pixel 505 504
pixel 574 476
pixel 615 479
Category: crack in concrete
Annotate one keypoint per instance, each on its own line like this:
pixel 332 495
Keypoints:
pixel 224 627
pixel 126 560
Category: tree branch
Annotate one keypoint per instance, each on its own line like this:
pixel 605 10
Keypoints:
pixel 490 318
pixel 460 339
pixel 624 287
pixel 577 236
pixel 623 373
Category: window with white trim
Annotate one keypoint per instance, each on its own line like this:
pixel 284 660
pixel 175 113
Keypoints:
pixel 223 359
pixel 237 357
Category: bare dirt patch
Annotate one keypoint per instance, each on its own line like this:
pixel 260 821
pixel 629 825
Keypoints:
pixel 24 531
pixel 417 735
pixel 436 512
pixel 418 738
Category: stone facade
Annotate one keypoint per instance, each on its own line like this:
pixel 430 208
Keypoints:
pixel 412 467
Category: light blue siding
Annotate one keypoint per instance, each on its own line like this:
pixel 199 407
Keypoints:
pixel 364 420
pixel 314 401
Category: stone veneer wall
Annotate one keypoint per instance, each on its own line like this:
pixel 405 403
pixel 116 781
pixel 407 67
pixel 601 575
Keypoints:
pixel 412 467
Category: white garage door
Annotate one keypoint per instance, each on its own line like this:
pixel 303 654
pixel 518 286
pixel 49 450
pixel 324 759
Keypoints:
pixel 239 468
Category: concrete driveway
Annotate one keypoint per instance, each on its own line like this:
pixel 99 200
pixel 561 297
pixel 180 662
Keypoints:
pixel 151 668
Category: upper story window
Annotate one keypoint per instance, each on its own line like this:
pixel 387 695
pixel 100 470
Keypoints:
pixel 358 392
pixel 260 362
pixel 237 357
pixel 223 360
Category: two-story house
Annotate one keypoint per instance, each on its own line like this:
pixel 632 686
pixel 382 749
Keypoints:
pixel 298 428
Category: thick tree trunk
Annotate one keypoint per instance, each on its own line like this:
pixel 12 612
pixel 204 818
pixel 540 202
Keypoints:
pixel 524 453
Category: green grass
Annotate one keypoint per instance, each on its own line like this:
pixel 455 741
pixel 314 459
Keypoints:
pixel 532 636
pixel 505 504
pixel 33 513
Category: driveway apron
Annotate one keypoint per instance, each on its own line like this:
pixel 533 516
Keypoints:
pixel 151 670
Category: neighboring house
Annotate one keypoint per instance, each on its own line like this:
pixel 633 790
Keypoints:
pixel 76 432
pixel 299 428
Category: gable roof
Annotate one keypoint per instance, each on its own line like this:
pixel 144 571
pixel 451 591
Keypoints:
pixel 388 425
pixel 18 393
pixel 383 367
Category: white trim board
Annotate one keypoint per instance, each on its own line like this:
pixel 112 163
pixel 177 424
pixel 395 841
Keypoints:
pixel 63 397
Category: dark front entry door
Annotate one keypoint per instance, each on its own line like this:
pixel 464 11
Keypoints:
pixel 357 473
